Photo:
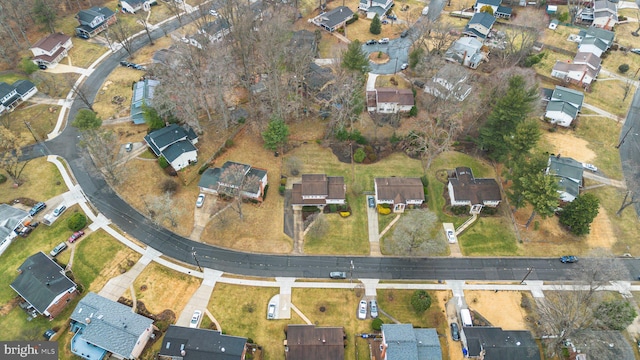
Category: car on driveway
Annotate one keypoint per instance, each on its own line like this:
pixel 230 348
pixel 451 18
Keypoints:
pixel 271 312
pixel 362 310
pixel 568 259
pixel 48 334
pixel 372 202
pixel 37 208
pixel 455 333
pixel 125 63
pixel 590 167
pixel 75 236
pixel 58 249
pixel 404 66
pixel 195 319
pixel 383 41
pixel 373 305
pixel 338 275
pixel 635 51
pixel 59 210
pixel 42 66
pixel 200 200
pixel 371 42
pixel 451 236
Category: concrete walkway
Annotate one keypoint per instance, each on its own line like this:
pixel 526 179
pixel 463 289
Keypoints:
pixel 601 112
pixel 284 298
pixel 604 180
pixel 200 299
pixel 371 81
pixel 117 286
pixel 63 69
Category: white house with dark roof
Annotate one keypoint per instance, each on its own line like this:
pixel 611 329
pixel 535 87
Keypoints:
pixel 489 343
pixel 41 282
pixel 568 173
pixel 51 49
pixel 404 342
pixel 480 25
pixel 95 20
pixel 375 7
pixel 183 343
pixel 175 143
pixel 142 96
pixel 496 6
pixel 390 100
pixel 449 82
pixel 318 190
pixel 466 51
pixel 102 326
pixel 211 183
pixel 582 71
pixel 466 190
pixel 131 6
pixel 593 45
pixel 13 95
pixel 334 19
pixel 399 192
pixel 215 30
pixel 564 106
pixel 11 218
pixel 605 14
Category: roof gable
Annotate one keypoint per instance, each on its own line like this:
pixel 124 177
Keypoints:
pixel 477 191
pixel 500 344
pixel 565 167
pixel 50 42
pixel 10 217
pixel 571 96
pixel 308 342
pixel 485 19
pixel 336 16
pixel 201 344
pixel 387 189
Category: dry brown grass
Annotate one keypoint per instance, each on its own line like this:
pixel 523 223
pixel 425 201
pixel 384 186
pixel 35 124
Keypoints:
pixel 144 55
pixel 165 289
pixel 509 315
pixel 160 12
pixel 385 81
pixel 117 84
pixel 558 38
pixel 84 53
pixel 262 228
pixel 42 181
pixel 121 259
pixel 308 129
pixel 608 96
pixel 128 132
pixel 41 118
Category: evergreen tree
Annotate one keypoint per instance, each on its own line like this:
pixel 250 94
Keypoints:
pixel 152 118
pixel 521 168
pixel 541 191
pixel 579 214
pixel 376 25
pixel 276 135
pixel 45 14
pixel 355 59
pixel 86 120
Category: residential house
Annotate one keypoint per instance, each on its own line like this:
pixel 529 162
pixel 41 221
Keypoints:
pixel 211 183
pixel 592 45
pixel 334 19
pixel 13 95
pixel 304 40
pixel 51 49
pixel 569 174
pixel 496 6
pixel 583 71
pixel 316 80
pixel 593 32
pixel 480 25
pixel 450 81
pixel 308 342
pixel 564 106
pixel 318 190
pixel 615 346
pixel 131 6
pixel 466 190
pixel 605 14
pixel 403 342
pixel 589 59
pixel 493 343
pixel 142 96
pixel 183 343
pixel 10 219
pixel 215 30
pixel 25 89
pixel 399 192
pixel 175 143
pixel 93 21
pixel 466 51
pixel 41 282
pixel 389 100
pixel 102 326
pixel 375 7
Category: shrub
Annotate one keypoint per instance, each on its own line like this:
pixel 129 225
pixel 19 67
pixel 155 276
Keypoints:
pixel 28 66
pixel 395 138
pixel 420 301
pixel 359 155
pixel 342 134
pixel 264 192
pixel 345 214
pixel 294 165
pixel 242 120
pixel 372 157
pixel 353 19
pixel 358 137
pixel 333 208
pixel 169 186
pixel 283 181
pixel 3 179
pixel 424 180
pixel 383 210
pixel 623 68
pixel 489 210
pixel 163 162
pixel 203 168
pixel 563 16
pixel 376 324
pixel 376 25
pixel 281 189
pixel 413 111
pixel 77 222
pixel 228 143
pixel 460 210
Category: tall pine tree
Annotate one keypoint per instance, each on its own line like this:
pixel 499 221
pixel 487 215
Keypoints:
pixel 376 25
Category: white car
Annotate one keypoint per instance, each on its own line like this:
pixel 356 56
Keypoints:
pixel 590 167
pixel 451 236
pixel 271 312
pixel 362 310
pixel 383 41
pixel 195 319
pixel 404 66
pixel 200 200
pixel 213 13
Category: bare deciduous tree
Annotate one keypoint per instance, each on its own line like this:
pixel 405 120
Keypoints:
pixel 11 154
pixel 163 208
pixel 102 145
pixel 122 33
pixel 235 184
pixel 416 235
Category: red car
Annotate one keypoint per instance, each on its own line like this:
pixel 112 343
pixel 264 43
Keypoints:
pixel 76 235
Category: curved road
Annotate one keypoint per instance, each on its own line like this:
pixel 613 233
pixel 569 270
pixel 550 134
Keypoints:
pixel 131 221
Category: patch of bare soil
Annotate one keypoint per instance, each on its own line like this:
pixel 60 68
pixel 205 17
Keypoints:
pixel 379 57
pixel 570 145
pixel 500 308
pixel 6 308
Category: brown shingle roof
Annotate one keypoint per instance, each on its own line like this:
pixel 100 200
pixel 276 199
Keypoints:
pixel 329 187
pixel 395 188
pixel 314 184
pixel 307 342
pixel 51 41
pixel 466 187
pixel 588 58
pixel 398 96
pixel 336 187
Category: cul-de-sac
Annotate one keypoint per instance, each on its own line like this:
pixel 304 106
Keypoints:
pixel 320 179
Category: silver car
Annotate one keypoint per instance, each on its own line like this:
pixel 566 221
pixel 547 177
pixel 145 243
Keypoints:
pixel 373 305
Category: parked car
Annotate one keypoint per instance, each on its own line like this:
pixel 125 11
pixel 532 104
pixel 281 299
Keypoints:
pixel 58 249
pixel 271 313
pixel 48 334
pixel 83 36
pixel 42 66
pixel 404 34
pixel 635 51
pixel 451 236
pixel 372 202
pixel 383 41
pixel 128 147
pixel 590 167
pixel 568 259
pixel 75 236
pixel 213 13
pixel 362 310
pixel 25 231
pixel 138 67
pixel 455 333
pixel 125 63
pixel 195 319
pixel 391 17
pixel 200 200
pixel 404 66
pixel 338 275
pixel 373 305
pixel 371 42
pixel 59 210
pixel 37 208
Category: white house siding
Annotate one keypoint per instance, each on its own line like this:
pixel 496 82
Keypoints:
pixel 588 48
pixel 29 94
pixel 565 196
pixel 559 118
pixel 182 161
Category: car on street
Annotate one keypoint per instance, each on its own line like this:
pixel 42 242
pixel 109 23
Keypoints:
pixel 200 200
pixel 371 42
pixel 59 210
pixel 75 236
pixel 568 259
pixel 383 41
pixel 590 167
pixel 372 202
pixel 404 66
pixel 58 249
pixel 373 305
pixel 195 319
pixel 451 236
pixel 635 51
pixel 362 310
pixel 338 275
pixel 271 313
pixel 37 208
pixel 455 333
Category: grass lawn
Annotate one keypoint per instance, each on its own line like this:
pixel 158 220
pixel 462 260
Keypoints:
pixel 41 118
pixel 157 286
pixel 11 77
pixel 242 311
pixel 385 81
pixel 41 181
pixel 626 226
pixel 489 236
pixel 84 53
pixel 340 308
pixel 117 83
pixel 602 134
pixel 384 220
pixel 55 85
pixel 607 95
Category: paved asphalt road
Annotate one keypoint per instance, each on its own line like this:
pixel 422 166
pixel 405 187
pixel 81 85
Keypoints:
pixel 630 149
pixel 180 248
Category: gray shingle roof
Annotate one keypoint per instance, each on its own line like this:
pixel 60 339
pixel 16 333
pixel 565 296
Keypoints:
pixel 602 34
pixel 5 89
pixel 168 135
pixel 569 95
pixel 201 344
pixel 10 217
pixel 176 149
pixel 23 86
pixel 501 345
pixel 86 16
pixel 599 43
pixel 488 2
pixel 565 167
pixel 110 325
pixel 390 188
pixel 485 19
pixel 562 106
pixel 40 281
pixel 406 343
pixel 209 178
pixel 336 16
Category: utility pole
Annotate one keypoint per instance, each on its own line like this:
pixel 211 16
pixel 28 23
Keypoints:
pixel 351 272
pixel 196 259
pixel 624 137
pixel 527 275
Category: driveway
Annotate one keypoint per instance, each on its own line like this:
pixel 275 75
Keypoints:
pixel 374 238
pixel 398 51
